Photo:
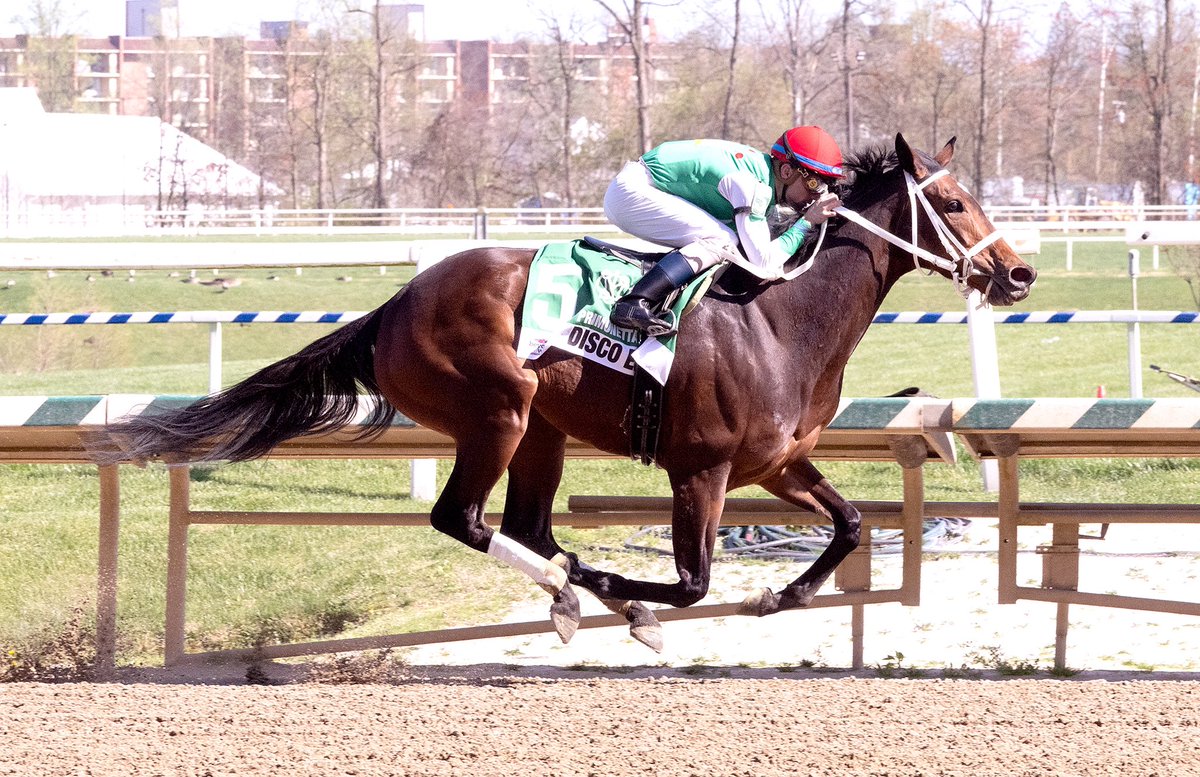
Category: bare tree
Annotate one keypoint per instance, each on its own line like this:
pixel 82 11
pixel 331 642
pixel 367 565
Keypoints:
pixel 321 83
pixel 1062 68
pixel 48 18
pixel 983 13
pixel 296 130
pixel 467 157
pixel 848 61
pixel 50 51
pixel 1192 173
pixel 567 67
pixel 387 56
pixel 629 16
pixel 733 53
pixel 1104 48
pixel 553 87
pixel 1147 40
pixel 799 55
pixel 935 68
pixel 381 36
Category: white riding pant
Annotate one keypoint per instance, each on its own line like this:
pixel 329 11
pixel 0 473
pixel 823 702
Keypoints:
pixel 637 206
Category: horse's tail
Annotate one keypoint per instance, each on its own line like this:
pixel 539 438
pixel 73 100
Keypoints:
pixel 311 391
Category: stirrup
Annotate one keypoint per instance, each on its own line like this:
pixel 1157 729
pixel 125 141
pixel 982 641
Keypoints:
pixel 662 326
pixel 641 318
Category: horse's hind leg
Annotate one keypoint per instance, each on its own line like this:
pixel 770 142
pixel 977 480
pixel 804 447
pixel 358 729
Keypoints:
pixel 459 513
pixel 803 485
pixel 444 357
pixel 699 498
pixel 533 478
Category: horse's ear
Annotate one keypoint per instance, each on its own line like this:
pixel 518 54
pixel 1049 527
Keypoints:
pixel 947 153
pixel 908 160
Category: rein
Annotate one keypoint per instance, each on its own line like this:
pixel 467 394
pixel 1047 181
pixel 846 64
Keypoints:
pixel 961 266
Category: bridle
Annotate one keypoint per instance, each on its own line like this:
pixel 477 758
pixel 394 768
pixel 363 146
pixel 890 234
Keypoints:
pixel 961 265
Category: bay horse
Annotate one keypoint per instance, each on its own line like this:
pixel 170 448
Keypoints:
pixel 756 378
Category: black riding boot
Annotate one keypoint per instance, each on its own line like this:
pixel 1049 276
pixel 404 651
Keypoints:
pixel 639 308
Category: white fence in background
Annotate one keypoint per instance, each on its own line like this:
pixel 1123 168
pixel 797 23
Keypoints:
pixel 477 223
pixel 119 254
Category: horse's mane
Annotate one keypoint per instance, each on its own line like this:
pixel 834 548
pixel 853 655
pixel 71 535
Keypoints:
pixel 865 170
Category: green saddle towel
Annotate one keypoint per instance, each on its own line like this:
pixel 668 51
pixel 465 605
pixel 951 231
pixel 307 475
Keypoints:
pixel 571 291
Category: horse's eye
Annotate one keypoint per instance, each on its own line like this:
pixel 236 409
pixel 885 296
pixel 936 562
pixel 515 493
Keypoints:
pixel 954 206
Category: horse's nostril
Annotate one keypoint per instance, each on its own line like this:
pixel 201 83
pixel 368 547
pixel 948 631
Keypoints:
pixel 1022 275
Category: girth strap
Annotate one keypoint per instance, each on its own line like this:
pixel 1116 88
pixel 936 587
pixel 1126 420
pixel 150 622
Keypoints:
pixel 645 416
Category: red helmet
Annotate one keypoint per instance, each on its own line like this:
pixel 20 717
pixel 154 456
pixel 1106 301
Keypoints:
pixel 811 147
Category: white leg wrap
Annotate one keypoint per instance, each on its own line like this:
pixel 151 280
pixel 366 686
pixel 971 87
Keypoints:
pixel 619 606
pixel 544 572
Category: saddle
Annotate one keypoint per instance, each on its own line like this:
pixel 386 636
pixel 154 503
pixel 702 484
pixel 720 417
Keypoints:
pixel 646 259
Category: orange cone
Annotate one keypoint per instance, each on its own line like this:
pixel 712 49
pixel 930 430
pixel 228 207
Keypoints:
pixel 1101 393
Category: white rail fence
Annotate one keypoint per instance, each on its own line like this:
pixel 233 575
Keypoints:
pixel 477 223
pixel 383 238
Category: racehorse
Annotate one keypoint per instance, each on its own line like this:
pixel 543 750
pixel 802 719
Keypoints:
pixel 756 378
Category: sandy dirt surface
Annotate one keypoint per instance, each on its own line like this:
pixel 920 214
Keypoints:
pixel 735 696
pixel 477 723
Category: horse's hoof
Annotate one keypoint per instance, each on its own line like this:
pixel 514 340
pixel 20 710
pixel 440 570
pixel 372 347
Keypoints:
pixel 644 626
pixel 564 614
pixel 650 636
pixel 759 603
pixel 564 625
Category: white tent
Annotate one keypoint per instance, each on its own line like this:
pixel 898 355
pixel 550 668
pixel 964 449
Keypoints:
pixel 60 167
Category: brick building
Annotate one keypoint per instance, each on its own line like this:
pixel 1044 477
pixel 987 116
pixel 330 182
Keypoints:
pixel 194 82
pixel 243 95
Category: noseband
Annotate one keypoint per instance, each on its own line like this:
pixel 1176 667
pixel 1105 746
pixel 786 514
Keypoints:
pixel 961 265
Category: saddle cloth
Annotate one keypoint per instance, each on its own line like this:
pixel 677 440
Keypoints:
pixel 571 291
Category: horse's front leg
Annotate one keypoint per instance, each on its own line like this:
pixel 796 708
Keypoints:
pixel 534 474
pixel 699 499
pixel 803 485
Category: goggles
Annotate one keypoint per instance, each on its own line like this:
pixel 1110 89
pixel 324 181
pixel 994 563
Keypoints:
pixel 814 182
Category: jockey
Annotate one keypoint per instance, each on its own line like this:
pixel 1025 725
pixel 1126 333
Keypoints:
pixel 707 199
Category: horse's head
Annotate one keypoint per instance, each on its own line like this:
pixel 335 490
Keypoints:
pixel 952 225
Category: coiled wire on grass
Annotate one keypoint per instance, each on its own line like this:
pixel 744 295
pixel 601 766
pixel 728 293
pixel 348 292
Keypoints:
pixel 804 543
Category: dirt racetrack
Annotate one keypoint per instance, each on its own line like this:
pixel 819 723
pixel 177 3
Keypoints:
pixel 492 721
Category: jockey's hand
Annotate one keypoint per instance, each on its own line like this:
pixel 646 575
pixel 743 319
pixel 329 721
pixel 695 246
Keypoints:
pixel 822 208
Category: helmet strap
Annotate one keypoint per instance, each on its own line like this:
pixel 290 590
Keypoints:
pixel 782 182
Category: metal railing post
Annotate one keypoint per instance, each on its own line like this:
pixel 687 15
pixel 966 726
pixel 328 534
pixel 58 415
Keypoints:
pixel 1135 331
pixel 985 366
pixel 481 224
pixel 214 357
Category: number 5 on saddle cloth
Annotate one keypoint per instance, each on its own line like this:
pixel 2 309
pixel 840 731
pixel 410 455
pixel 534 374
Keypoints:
pixel 572 288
